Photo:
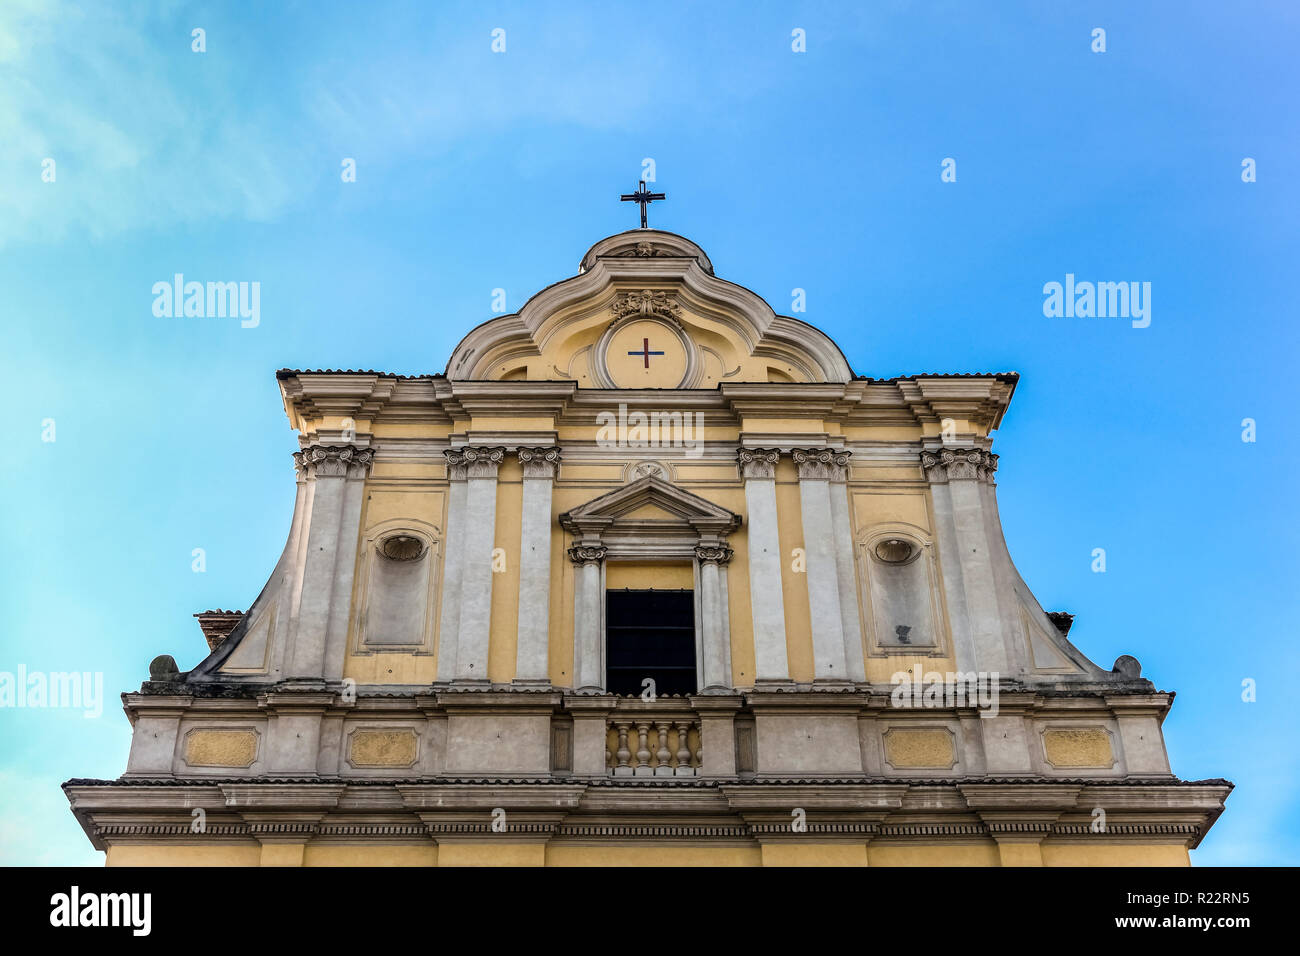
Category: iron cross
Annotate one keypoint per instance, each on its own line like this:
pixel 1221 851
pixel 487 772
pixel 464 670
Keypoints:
pixel 643 198
pixel 645 347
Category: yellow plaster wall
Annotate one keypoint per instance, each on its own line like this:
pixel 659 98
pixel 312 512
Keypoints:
pixel 492 854
pixel 385 502
pixel 667 855
pixel 639 576
pixel 953 854
pixel 983 853
pixel 814 854
pixel 361 855
pixel 1115 854
pixel 183 854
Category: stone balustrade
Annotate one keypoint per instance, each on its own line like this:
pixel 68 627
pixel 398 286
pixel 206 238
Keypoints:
pixel 653 745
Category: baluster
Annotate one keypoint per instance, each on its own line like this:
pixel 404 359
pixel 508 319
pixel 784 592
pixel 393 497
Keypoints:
pixel 699 746
pixel 663 769
pixel 683 747
pixel 643 748
pixel 624 754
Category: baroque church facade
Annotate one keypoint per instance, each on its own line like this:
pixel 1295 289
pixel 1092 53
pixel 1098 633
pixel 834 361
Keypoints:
pixel 647 576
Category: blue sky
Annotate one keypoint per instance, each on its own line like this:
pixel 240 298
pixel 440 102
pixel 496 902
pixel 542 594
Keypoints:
pixel 817 170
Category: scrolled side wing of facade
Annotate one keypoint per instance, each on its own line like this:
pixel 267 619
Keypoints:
pixel 873 680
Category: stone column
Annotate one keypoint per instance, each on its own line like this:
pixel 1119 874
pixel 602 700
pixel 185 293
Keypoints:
pixel 478 540
pixel 337 474
pixel 817 466
pixel 957 476
pixel 767 602
pixel 588 618
pixel 532 664
pixel 715 663
pixel 452 567
pixel 847 577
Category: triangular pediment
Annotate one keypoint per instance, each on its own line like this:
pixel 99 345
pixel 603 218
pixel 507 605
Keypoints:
pixel 654 504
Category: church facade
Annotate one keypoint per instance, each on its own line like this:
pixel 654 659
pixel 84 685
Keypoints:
pixel 647 576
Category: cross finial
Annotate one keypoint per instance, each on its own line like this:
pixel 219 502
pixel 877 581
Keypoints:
pixel 643 198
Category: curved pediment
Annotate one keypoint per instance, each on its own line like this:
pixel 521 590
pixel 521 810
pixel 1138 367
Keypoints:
pixel 646 311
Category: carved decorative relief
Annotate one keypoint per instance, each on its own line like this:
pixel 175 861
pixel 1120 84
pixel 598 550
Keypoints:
pixel 333 461
pixel 539 462
pixel 587 554
pixel 758 462
pixel 821 464
pixel 707 554
pixel 477 461
pixel 959 464
pixel 647 302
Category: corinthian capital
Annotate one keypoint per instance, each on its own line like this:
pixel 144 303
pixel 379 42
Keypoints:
pixel 821 464
pixel 758 462
pixel 959 464
pixel 474 461
pixel 539 462
pixel 333 461
pixel 588 553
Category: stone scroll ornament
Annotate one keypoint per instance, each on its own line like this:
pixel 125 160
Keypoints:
pixel 707 554
pixel 475 461
pixel 959 464
pixel 820 464
pixel 588 554
pixel 539 462
pixel 758 462
pixel 333 461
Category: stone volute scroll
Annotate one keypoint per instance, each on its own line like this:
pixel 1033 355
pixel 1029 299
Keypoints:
pixel 820 464
pixel 540 462
pixel 959 464
pixel 758 462
pixel 333 461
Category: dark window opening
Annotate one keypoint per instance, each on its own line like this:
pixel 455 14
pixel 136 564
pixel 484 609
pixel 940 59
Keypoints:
pixel 650 634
